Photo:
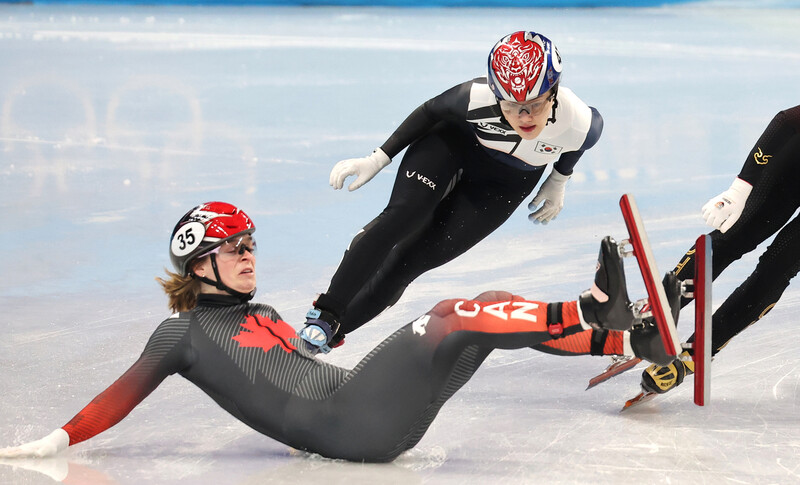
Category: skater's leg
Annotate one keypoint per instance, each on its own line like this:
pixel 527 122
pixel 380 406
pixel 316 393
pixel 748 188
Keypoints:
pixel 753 299
pixel 473 210
pixel 759 293
pixel 390 398
pixel 410 209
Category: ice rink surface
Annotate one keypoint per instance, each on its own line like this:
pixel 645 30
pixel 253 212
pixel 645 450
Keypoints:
pixel 116 120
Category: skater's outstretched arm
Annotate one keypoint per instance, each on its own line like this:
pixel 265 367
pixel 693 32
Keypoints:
pixel 158 360
pixel 106 410
pixel 771 161
pixel 420 121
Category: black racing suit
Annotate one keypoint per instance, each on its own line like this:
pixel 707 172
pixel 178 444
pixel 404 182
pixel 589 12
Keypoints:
pixel 773 169
pixel 463 175
pixel 255 367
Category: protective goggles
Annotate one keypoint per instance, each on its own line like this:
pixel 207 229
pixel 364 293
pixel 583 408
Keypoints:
pixel 233 248
pixel 533 107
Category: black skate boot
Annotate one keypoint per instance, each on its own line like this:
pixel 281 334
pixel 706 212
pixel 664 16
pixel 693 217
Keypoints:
pixel 607 303
pixel 645 339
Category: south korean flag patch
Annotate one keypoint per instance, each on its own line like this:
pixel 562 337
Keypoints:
pixel 547 149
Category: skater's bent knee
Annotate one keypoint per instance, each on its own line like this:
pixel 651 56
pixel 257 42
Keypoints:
pixel 496 295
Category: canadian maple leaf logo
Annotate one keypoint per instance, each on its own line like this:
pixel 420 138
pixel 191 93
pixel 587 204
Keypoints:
pixel 260 331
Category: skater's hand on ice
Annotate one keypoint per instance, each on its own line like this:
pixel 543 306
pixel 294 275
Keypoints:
pixel 724 210
pixel 50 445
pixel 365 168
pixel 551 196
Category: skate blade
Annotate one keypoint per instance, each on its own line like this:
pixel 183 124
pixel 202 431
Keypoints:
pixel 616 368
pixel 640 398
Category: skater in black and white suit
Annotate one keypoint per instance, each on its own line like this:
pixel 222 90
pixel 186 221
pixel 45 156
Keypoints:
pixel 475 152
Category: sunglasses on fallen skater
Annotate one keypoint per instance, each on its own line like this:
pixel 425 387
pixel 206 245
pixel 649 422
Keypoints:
pixel 234 248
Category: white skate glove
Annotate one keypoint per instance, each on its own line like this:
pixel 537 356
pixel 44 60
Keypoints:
pixel 50 445
pixel 364 168
pixel 552 194
pixel 724 210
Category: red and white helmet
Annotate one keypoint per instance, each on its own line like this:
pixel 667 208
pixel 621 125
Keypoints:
pixel 204 228
pixel 522 66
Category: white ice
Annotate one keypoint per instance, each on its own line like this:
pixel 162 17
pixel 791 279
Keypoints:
pixel 116 120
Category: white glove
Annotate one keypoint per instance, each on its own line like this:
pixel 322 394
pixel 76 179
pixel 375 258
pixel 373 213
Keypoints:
pixel 364 168
pixel 724 210
pixel 50 445
pixel 552 194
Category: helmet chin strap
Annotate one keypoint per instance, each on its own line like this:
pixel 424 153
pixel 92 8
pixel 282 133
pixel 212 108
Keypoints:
pixel 555 105
pixel 221 286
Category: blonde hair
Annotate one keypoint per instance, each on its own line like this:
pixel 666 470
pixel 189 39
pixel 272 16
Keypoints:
pixel 181 290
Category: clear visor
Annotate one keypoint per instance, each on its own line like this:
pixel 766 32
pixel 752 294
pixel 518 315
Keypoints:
pixel 233 248
pixel 532 107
